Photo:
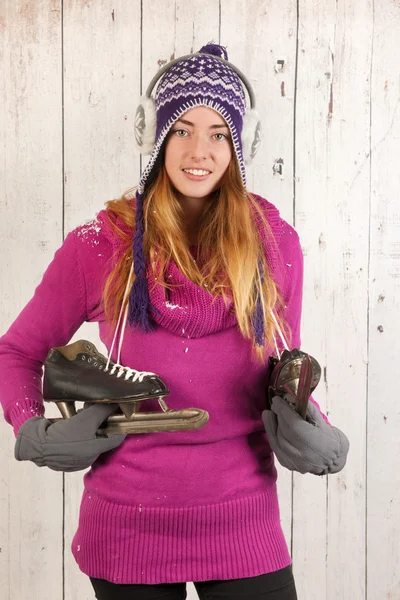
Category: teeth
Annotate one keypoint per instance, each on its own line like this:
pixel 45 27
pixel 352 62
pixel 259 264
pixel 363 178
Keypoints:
pixel 197 172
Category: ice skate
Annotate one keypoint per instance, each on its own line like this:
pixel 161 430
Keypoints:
pixel 79 372
pixel 297 374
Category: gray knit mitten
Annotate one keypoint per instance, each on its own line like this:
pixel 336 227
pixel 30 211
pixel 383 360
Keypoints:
pixel 306 446
pixel 67 445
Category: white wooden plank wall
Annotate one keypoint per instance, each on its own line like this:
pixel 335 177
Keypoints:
pixel 383 412
pixel 31 500
pixel 331 209
pixel 326 77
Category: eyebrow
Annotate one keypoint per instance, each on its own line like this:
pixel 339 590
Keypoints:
pixel 219 126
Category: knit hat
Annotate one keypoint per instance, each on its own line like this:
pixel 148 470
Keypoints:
pixel 205 78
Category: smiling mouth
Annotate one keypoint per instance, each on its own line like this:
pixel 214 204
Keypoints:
pixel 197 172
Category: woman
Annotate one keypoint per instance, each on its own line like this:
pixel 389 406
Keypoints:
pixel 216 276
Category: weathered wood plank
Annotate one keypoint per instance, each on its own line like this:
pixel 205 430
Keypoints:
pixel 332 138
pixel 101 88
pixel 383 440
pixel 312 100
pixel 30 232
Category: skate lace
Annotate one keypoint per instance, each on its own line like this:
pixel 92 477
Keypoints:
pixel 283 340
pixel 121 325
pixel 129 373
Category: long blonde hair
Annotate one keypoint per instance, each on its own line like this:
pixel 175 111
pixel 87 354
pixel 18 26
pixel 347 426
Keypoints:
pixel 231 262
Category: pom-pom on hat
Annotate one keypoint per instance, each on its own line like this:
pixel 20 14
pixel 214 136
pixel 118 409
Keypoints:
pixel 204 78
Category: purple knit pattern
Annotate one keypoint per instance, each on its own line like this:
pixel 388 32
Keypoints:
pixel 200 80
pixel 138 313
pixel 258 323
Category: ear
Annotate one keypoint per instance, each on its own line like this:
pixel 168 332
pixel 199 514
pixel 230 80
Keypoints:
pixel 251 134
pixel 145 125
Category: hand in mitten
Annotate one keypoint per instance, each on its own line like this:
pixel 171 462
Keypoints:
pixel 306 446
pixel 67 445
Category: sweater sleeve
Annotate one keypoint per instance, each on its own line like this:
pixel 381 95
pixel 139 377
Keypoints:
pixel 292 268
pixel 292 288
pixel 56 310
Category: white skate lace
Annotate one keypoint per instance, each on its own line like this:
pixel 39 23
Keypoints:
pixel 136 375
pixel 285 345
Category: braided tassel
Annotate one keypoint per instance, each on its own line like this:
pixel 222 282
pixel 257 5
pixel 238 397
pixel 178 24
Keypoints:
pixel 139 297
pixel 258 322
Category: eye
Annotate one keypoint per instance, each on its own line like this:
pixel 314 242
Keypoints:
pixel 180 132
pixel 220 136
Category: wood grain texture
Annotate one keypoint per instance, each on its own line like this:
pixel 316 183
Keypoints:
pixel 332 216
pixel 101 91
pixel 383 445
pixel 30 232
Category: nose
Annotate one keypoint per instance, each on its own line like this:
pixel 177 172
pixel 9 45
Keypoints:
pixel 198 149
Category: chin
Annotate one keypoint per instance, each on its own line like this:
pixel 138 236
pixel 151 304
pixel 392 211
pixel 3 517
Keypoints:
pixel 195 191
pixel 198 189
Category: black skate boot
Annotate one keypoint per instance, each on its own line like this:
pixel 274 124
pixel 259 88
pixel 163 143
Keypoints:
pixel 79 372
pixel 297 374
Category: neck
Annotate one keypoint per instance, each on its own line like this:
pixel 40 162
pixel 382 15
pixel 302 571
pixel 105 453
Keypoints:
pixel 193 209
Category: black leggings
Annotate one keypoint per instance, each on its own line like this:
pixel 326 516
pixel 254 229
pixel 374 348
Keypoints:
pixel 271 586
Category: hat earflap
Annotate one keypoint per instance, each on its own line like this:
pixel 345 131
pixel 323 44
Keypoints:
pixel 251 134
pixel 145 125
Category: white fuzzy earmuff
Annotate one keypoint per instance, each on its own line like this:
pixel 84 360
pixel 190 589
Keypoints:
pixel 251 134
pixel 145 125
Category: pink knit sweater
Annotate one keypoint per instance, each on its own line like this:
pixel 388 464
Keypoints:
pixel 166 507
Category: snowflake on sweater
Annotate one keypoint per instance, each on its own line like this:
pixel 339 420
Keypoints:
pixel 89 231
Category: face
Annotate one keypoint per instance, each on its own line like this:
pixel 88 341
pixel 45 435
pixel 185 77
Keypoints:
pixel 198 152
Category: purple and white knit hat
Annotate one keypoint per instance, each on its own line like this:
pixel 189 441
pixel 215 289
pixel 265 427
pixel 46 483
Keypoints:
pixel 205 78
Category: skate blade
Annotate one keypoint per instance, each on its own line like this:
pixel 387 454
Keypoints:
pixel 153 422
pixel 128 406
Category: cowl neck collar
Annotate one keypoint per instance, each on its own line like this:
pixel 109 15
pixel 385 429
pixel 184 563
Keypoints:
pixel 188 309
